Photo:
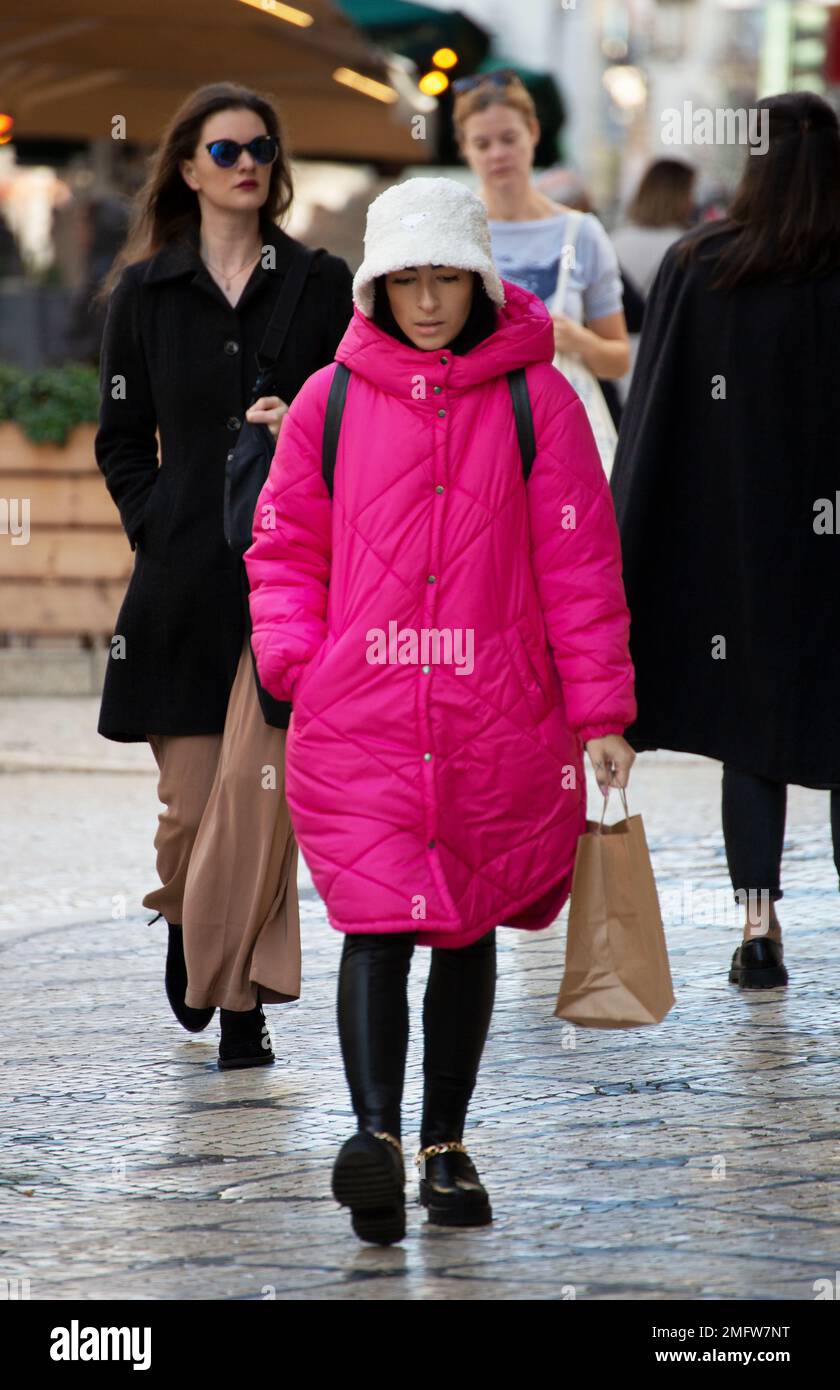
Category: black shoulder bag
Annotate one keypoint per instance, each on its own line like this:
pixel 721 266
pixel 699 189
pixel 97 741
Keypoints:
pixel 249 461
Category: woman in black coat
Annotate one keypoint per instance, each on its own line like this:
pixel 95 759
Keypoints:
pixel 725 484
pixel 191 296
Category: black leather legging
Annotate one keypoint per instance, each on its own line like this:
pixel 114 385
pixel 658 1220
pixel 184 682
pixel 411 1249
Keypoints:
pixel 373 1029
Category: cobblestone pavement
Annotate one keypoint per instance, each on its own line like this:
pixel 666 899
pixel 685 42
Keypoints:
pixel 697 1159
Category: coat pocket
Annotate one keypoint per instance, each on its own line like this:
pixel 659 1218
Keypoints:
pixel 302 719
pixel 527 670
pixel 147 531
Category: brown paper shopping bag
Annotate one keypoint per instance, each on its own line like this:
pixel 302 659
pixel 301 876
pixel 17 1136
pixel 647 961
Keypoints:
pixel 617 973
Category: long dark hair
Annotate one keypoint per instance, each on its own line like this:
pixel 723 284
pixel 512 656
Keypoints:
pixel 786 210
pixel 166 208
pixel 480 321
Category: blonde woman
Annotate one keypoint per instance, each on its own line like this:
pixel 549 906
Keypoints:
pixel 497 132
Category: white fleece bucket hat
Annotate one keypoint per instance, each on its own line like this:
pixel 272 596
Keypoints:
pixel 425 222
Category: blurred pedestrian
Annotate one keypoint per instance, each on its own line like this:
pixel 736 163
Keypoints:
pixel 559 253
pixel 433 797
pixel 203 274
pixel 659 214
pixel 726 489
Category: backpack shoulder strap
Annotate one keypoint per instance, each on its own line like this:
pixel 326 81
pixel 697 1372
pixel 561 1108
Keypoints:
pixel 335 409
pixel 332 423
pixel 524 419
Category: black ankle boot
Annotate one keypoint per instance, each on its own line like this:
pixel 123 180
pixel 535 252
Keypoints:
pixel 369 1177
pixel 245 1041
pixel 450 1186
pixel 194 1020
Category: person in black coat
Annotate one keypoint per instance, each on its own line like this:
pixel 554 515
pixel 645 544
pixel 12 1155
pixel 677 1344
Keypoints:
pixel 190 298
pixel 725 484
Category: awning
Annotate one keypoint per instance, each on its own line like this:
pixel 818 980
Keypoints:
pixel 67 67
pixel 415 30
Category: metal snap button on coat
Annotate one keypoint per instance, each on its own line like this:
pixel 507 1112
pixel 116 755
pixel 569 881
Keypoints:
pixel 426 670
pixel 439 487
pixel 427 757
pixel 444 359
pixel 234 423
pixel 441 412
pixel 230 454
pixel 432 844
pixel 430 579
pixel 231 347
pixel 437 390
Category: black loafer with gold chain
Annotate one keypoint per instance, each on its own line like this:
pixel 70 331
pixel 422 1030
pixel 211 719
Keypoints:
pixel 450 1187
pixel 369 1177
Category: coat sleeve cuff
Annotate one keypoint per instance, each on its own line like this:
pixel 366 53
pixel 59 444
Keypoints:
pixel 599 731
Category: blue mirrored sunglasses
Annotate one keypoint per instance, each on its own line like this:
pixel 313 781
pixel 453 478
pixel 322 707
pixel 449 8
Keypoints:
pixel 225 153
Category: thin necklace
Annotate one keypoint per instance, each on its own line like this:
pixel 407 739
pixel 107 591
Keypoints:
pixel 229 278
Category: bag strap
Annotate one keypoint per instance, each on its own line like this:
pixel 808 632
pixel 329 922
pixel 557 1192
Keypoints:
pixel 606 799
pixel 524 419
pixel 575 220
pixel 332 423
pixel 275 335
pixel 335 409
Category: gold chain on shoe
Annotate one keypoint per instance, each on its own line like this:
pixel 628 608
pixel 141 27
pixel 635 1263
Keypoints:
pixel 383 1134
pixel 431 1149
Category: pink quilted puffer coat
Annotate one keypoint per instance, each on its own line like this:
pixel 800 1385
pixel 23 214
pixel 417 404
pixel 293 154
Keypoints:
pixel 427 796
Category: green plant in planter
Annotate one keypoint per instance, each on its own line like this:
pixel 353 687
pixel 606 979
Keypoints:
pixel 47 404
pixel 11 378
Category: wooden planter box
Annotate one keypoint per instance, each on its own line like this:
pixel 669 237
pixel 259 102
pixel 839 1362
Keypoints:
pixel 69 579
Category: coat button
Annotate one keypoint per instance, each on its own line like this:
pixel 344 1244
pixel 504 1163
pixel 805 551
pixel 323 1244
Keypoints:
pixel 439 487
pixel 427 757
pixel 426 670
pixel 234 423
pixel 437 390
pixel 444 359
pixel 441 412
pixel 230 454
pixel 432 844
pixel 231 347
pixel 430 579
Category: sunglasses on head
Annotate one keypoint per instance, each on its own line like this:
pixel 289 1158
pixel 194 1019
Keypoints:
pixel 501 77
pixel 225 153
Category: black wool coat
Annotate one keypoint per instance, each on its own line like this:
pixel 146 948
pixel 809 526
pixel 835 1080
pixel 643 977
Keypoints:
pixel 729 439
pixel 188 361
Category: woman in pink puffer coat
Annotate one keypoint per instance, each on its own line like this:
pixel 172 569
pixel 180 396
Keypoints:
pixel 451 639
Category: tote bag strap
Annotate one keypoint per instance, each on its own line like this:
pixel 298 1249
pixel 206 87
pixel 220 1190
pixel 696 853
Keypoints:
pixel 564 269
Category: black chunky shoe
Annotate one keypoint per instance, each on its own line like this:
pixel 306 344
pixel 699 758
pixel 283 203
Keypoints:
pixel 450 1187
pixel 245 1041
pixel 194 1020
pixel 369 1177
pixel 758 965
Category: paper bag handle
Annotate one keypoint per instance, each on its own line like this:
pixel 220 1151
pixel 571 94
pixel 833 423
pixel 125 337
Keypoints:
pixel 606 799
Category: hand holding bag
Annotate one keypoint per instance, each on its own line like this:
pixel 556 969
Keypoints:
pixel 249 461
pixel 617 973
pixel 576 371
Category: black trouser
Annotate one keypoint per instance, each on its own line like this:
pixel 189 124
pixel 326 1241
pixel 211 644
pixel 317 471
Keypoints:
pixel 754 830
pixel 373 1029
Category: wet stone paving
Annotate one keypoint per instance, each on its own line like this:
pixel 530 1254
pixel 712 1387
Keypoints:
pixel 698 1159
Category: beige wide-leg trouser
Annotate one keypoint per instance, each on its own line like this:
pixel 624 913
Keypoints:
pixel 227 856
